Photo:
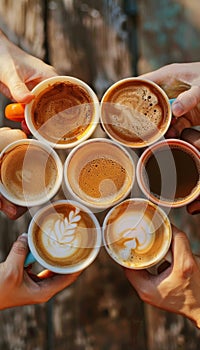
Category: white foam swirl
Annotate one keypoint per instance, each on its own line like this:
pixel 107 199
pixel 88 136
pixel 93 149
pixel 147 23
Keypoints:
pixel 60 236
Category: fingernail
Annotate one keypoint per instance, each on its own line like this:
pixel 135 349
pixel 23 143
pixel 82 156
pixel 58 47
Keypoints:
pixel 177 108
pixel 23 237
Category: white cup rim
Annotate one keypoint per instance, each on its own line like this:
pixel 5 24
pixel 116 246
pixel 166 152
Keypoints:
pixel 76 267
pixel 140 166
pixel 57 185
pixel 160 134
pixel 62 78
pixel 96 206
pixel 165 219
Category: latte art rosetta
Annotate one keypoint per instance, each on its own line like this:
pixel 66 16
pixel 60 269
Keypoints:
pixel 60 234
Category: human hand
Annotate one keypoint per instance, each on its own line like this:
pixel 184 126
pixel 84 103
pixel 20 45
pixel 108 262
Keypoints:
pixel 18 286
pixel 177 288
pixel 20 72
pixel 180 81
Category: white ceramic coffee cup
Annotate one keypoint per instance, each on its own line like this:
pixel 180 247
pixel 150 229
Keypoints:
pixel 90 153
pixel 63 233
pixel 137 114
pixel 67 115
pixel 39 174
pixel 137 234
pixel 170 172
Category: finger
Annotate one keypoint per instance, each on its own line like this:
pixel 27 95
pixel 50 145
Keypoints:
pixel 186 101
pixel 11 210
pixel 18 252
pixel 54 284
pixel 178 126
pixel 194 207
pixel 18 89
pixel 181 251
pixel 192 136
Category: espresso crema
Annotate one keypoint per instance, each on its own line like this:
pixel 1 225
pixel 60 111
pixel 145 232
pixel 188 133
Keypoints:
pixel 28 172
pixel 63 112
pixel 136 234
pixel 134 112
pixel 64 235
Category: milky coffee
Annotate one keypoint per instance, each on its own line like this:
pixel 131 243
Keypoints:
pixel 64 235
pixel 135 112
pixel 136 233
pixel 63 111
pixel 29 173
pixel 99 173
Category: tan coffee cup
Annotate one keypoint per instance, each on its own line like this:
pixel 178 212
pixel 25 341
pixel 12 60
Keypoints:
pixel 137 234
pixel 99 173
pixel 64 237
pixel 168 173
pixel 30 172
pixel 135 112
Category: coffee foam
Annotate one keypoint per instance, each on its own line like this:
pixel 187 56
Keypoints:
pixel 100 173
pixel 28 172
pixel 134 112
pixel 63 112
pixel 64 235
pixel 135 234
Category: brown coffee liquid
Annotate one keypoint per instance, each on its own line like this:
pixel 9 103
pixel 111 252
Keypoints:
pixel 28 172
pixel 62 112
pixel 164 166
pixel 102 177
pixel 63 236
pixel 134 112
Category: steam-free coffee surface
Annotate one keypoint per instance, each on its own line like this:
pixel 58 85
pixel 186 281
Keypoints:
pixel 134 112
pixel 64 235
pixel 28 172
pixel 136 234
pixel 171 173
pixel 62 113
pixel 102 177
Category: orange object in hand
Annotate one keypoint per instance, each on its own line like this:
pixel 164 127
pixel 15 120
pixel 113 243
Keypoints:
pixel 15 111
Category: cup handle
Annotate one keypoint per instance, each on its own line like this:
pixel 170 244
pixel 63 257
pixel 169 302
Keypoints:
pixel 30 259
pixel 162 265
pixel 15 112
pixel 171 100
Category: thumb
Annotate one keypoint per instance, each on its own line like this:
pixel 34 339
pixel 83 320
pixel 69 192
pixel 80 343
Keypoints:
pixel 18 251
pixel 18 89
pixel 186 101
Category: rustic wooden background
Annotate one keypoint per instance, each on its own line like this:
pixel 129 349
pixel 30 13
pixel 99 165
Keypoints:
pixel 100 42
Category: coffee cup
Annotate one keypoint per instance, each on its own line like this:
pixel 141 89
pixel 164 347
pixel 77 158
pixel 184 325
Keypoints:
pixel 64 237
pixel 98 173
pixel 30 172
pixel 64 112
pixel 137 234
pixel 168 173
pixel 135 112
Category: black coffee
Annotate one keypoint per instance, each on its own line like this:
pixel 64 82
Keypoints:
pixel 171 174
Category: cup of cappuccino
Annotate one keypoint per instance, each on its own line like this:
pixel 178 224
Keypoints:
pixel 98 173
pixel 30 172
pixel 168 173
pixel 64 112
pixel 137 234
pixel 64 237
pixel 135 112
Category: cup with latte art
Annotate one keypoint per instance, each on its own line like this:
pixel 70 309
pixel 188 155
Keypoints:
pixel 137 234
pixel 64 112
pixel 64 237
